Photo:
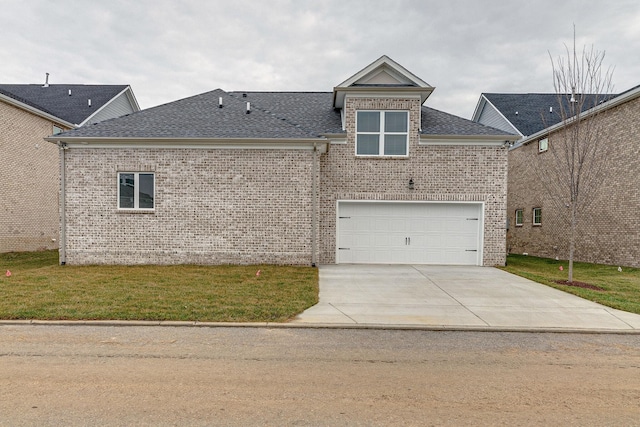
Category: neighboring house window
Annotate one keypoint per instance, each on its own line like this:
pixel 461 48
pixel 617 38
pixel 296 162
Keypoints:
pixel 57 130
pixel 382 133
pixel 519 217
pixel 136 190
pixel 543 145
pixel 537 216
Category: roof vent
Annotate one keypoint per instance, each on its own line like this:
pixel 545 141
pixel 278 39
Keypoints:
pixel 550 110
pixel 248 107
pixel 516 113
pixel 89 102
pixel 244 95
pixel 220 102
pixel 69 92
pixel 46 81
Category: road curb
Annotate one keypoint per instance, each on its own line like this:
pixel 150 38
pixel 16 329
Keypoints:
pixel 363 326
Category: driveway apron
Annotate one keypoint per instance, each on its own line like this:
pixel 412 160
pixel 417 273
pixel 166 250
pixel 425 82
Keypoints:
pixel 452 297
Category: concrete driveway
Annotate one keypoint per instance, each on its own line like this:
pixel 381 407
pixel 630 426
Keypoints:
pixel 452 297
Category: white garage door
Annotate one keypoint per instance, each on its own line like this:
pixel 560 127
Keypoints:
pixel 409 233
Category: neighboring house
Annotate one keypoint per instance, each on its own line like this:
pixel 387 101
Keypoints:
pixel 608 231
pixel 29 176
pixel 522 113
pixel 363 174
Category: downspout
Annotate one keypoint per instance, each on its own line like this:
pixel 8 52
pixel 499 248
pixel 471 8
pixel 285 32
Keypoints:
pixel 62 244
pixel 314 202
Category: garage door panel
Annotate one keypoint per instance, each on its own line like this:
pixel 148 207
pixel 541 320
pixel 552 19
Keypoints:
pixel 407 232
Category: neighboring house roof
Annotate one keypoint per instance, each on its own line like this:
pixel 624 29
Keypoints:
pixel 529 113
pixel 610 102
pixel 273 115
pixel 67 102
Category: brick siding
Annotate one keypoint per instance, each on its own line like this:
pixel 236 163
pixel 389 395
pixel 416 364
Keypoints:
pixel 221 206
pixel 29 179
pixel 440 173
pixel 255 206
pixel 608 228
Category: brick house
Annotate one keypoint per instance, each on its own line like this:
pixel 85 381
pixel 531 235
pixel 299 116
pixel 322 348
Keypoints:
pixel 363 174
pixel 29 206
pixel 608 230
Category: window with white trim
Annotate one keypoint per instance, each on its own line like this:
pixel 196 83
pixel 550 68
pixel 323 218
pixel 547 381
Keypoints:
pixel 537 216
pixel 543 145
pixel 382 133
pixel 519 217
pixel 136 190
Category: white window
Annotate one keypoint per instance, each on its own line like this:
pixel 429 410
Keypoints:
pixel 537 216
pixel 543 145
pixel 382 133
pixel 136 190
pixel 519 217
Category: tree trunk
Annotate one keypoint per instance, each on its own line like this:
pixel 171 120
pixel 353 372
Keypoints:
pixel 572 241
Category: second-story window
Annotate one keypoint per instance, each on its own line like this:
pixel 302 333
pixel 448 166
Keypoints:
pixel 382 133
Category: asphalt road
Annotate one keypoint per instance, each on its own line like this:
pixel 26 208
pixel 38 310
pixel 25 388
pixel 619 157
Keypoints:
pixel 83 375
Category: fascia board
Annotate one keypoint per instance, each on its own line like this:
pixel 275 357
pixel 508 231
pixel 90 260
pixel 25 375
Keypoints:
pixel 493 140
pixel 204 143
pixel 625 97
pixel 132 99
pixel 36 111
pixel 479 107
pixel 384 60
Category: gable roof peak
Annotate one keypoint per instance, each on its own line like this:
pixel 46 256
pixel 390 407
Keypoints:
pixel 384 74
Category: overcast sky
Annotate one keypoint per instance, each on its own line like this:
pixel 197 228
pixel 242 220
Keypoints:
pixel 167 50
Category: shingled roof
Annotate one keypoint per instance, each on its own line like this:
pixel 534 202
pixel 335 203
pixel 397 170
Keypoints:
pixel 435 122
pixel 273 115
pixel 530 112
pixel 55 100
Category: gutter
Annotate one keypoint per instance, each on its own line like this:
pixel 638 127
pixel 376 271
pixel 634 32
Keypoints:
pixel 223 143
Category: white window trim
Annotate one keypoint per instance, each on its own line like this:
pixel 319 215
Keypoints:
pixel 533 216
pixel 136 192
pixel 381 134
pixel 546 142
pixel 519 224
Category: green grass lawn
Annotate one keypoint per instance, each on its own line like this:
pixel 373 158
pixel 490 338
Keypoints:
pixel 41 289
pixel 619 290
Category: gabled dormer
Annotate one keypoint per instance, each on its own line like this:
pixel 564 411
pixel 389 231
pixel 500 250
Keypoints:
pixel 384 77
pixel 380 109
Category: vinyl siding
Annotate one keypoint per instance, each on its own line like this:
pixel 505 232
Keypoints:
pixel 119 106
pixel 490 117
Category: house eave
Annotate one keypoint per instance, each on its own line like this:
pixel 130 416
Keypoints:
pixel 486 140
pixel 340 92
pixel 320 144
pixel 37 112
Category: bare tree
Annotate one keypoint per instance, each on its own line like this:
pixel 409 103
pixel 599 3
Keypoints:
pixel 572 170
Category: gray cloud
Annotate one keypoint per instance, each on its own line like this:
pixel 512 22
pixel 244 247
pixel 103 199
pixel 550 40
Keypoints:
pixel 168 50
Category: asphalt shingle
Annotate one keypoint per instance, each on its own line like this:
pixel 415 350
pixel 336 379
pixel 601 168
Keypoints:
pixel 529 112
pixel 55 100
pixel 274 115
